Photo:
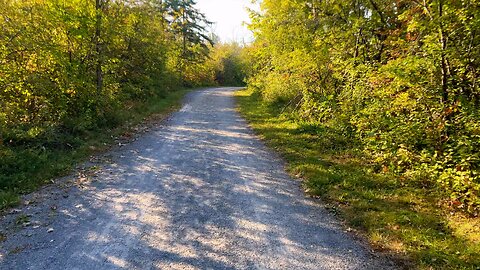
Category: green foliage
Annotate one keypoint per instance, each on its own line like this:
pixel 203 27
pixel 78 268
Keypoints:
pixel 49 64
pixel 228 64
pixel 71 68
pixel 187 26
pixel 394 213
pixel 398 77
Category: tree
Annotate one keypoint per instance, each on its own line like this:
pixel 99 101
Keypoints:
pixel 188 27
pixel 100 6
pixel 399 76
pixel 68 68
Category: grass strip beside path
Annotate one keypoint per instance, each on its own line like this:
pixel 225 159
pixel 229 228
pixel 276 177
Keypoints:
pixel 402 219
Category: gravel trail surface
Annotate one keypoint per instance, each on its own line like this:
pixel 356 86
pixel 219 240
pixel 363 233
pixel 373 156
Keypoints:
pixel 198 191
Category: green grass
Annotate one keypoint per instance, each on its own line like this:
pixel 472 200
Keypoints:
pixel 402 219
pixel 24 168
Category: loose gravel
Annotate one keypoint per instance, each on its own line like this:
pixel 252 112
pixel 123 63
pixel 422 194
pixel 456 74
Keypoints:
pixel 198 191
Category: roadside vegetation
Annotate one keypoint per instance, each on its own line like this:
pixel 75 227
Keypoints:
pixel 75 74
pixel 399 217
pixel 376 105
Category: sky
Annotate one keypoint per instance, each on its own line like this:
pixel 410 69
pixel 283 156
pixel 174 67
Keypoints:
pixel 228 17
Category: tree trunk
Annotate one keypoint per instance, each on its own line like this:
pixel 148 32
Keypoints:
pixel 184 48
pixel 98 45
pixel 444 66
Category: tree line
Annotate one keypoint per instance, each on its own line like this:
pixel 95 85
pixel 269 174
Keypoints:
pixel 71 68
pixel 398 80
pixel 68 65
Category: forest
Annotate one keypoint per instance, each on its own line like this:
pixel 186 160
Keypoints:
pixel 375 104
pixel 398 78
pixel 71 68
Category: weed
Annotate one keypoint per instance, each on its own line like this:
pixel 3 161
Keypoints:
pixel 22 219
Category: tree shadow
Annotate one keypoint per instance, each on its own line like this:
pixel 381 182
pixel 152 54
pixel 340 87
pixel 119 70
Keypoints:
pixel 198 193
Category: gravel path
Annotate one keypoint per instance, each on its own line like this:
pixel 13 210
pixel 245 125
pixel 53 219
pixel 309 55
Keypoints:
pixel 199 191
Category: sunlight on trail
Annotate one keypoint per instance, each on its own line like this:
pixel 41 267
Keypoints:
pixel 200 192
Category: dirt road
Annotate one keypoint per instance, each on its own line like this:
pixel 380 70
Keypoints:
pixel 199 191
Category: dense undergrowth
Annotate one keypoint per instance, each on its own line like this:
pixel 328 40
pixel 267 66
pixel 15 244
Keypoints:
pixel 403 217
pixel 376 105
pixel 398 78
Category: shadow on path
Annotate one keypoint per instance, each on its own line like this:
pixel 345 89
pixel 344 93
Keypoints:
pixel 200 192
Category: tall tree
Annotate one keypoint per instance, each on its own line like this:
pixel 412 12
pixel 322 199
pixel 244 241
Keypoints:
pixel 189 27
